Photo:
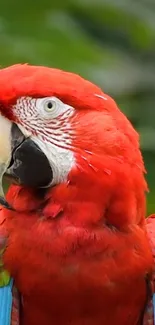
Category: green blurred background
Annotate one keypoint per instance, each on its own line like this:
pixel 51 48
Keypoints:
pixel 110 42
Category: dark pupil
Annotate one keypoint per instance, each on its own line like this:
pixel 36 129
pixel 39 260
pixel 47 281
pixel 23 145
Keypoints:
pixel 49 105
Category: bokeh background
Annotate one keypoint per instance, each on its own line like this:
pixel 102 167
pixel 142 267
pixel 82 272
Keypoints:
pixel 110 42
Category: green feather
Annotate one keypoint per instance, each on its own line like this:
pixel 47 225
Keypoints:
pixel 4 278
pixel 4 274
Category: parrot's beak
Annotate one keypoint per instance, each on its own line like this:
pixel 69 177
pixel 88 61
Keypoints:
pixel 21 160
pixel 5 153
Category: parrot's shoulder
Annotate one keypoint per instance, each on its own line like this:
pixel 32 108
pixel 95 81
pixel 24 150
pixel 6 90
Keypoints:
pixel 150 226
pixel 149 316
pixel 4 275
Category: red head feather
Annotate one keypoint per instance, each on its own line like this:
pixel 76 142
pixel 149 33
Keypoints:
pixel 107 142
pixel 37 81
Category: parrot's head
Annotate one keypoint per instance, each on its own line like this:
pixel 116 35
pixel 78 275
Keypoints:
pixel 61 133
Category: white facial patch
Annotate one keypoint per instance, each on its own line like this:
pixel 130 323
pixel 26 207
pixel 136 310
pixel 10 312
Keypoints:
pixel 48 122
pixel 61 160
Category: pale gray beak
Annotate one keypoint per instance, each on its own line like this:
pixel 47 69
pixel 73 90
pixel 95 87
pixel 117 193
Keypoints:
pixel 5 149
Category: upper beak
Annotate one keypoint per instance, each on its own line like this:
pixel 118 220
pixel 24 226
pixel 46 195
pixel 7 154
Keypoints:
pixel 5 152
pixel 21 159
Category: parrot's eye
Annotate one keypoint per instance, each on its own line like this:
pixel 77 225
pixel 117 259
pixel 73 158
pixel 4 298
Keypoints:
pixel 49 105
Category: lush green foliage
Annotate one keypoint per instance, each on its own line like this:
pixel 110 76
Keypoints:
pixel 110 42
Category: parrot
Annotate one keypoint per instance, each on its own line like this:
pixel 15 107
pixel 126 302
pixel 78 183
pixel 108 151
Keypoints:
pixel 73 232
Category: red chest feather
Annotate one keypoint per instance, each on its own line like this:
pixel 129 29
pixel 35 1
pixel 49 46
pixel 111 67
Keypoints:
pixel 69 275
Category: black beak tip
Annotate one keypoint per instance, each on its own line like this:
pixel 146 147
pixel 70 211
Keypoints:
pixel 5 204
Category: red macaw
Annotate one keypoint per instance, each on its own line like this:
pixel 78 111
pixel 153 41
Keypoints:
pixel 73 221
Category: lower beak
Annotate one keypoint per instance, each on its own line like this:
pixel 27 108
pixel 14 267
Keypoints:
pixel 21 160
